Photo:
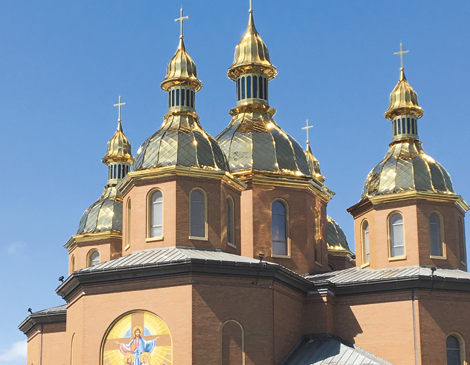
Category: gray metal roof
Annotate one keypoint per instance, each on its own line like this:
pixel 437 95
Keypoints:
pixel 358 275
pixel 168 255
pixel 51 311
pixel 323 349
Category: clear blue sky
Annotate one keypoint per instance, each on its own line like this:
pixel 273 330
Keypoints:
pixel 63 65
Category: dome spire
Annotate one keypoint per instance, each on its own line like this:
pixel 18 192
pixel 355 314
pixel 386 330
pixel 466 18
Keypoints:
pixel 119 153
pixel 404 110
pixel 312 162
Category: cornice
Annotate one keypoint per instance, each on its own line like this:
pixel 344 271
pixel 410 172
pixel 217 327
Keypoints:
pixel 145 176
pixel 42 319
pixel 91 237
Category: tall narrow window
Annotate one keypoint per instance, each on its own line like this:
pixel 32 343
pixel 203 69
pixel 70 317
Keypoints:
pixel 435 235
pixel 365 243
pixel 198 214
pixel 463 252
pixel 266 88
pixel 169 100
pixel 397 237
pixel 238 89
pixel 156 214
pixel 403 127
pixel 454 356
pixel 261 93
pixel 230 222
pixel 408 125
pixel 413 125
pixel 279 228
pixel 255 86
pixel 172 97
pixel 177 97
pixel 243 88
pixel 183 98
pixel 93 258
pixel 119 172
pixel 248 87
pixel 128 223
pixel 192 99
pixel 72 264
pixel 188 98
pixel 399 126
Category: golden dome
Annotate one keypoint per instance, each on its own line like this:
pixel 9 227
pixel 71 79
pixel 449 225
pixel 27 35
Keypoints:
pixel 119 148
pixel 251 55
pixel 403 100
pixel 104 215
pixel 336 239
pixel 180 141
pixel 253 142
pixel 406 167
pixel 313 164
pixel 181 70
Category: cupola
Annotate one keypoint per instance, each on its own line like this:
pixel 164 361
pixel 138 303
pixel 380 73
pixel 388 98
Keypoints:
pixel 181 140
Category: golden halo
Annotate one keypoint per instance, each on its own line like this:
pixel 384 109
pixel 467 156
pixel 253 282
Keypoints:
pixel 137 328
pixel 145 353
pixel 126 357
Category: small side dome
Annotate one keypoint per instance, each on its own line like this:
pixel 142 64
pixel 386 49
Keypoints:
pixel 104 215
pixel 406 167
pixel 119 148
pixel 181 70
pixel 336 239
pixel 181 141
pixel 313 164
pixel 403 100
pixel 251 53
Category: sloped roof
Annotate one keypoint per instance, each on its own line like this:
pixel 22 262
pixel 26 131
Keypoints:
pixel 323 349
pixel 367 275
pixel 169 255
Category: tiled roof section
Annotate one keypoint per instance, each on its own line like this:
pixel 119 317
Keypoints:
pixel 51 311
pixel 322 349
pixel 169 255
pixel 367 275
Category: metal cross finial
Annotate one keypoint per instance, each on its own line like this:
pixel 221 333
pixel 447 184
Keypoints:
pixel 401 53
pixel 307 128
pixel 251 6
pixel 181 19
pixel 119 106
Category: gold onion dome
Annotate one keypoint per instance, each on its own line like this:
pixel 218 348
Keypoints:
pixel 253 142
pixel 406 167
pixel 119 148
pixel 180 141
pixel 336 239
pixel 313 164
pixel 251 54
pixel 403 100
pixel 105 215
pixel 181 70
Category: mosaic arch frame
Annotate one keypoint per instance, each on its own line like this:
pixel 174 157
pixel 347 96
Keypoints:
pixel 137 337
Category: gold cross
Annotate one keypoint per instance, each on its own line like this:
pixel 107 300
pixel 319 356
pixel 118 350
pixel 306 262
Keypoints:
pixel 307 128
pixel 181 19
pixel 119 106
pixel 401 53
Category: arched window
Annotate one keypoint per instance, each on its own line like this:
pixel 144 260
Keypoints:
pixel 462 250
pixel 243 88
pixel 172 97
pixel 279 228
pixel 198 214
pixel 156 214
pixel 454 350
pixel 238 89
pixel 365 243
pixel 128 224
pixel 248 87
pixel 255 86
pixel 435 235
pixel 261 93
pixel 93 258
pixel 183 97
pixel 230 222
pixel 397 237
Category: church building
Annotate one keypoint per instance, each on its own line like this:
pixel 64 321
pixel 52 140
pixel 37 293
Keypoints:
pixel 218 250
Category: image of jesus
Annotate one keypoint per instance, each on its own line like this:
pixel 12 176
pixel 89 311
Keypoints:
pixel 137 346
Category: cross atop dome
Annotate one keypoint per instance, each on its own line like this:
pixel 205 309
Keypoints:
pixel 401 53
pixel 119 105
pixel 307 127
pixel 182 19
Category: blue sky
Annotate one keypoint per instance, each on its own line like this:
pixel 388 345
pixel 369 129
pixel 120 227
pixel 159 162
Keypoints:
pixel 63 65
